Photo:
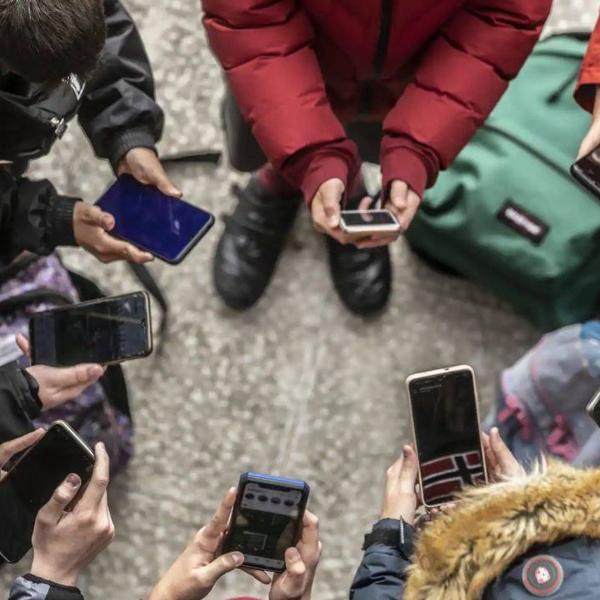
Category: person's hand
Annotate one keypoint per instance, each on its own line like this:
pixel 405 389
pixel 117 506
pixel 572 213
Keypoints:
pixel 12 448
pixel 499 460
pixel 143 164
pixel 59 385
pixel 91 226
pixel 592 139
pixel 403 202
pixel 193 575
pixel 66 541
pixel 301 561
pixel 326 207
pixel 400 498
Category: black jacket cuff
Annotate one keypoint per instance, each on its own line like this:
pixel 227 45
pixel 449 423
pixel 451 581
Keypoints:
pixel 59 227
pixel 126 141
pixel 394 533
pixel 56 591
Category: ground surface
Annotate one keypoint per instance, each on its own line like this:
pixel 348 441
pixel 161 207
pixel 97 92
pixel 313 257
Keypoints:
pixel 297 386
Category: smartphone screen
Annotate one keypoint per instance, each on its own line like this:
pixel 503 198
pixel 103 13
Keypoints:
pixel 368 218
pixel 32 481
pixel 165 226
pixel 587 171
pixel 266 522
pixel 447 434
pixel 103 331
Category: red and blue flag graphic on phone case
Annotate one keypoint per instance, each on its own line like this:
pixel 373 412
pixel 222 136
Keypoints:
pixel 444 477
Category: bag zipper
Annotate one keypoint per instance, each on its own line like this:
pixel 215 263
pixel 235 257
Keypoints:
pixel 383 40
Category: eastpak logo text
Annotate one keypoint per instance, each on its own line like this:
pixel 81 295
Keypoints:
pixel 523 222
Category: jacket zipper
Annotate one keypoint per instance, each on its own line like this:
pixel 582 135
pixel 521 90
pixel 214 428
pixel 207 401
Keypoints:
pixel 383 40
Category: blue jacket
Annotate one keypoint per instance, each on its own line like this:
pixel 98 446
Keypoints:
pixel 535 537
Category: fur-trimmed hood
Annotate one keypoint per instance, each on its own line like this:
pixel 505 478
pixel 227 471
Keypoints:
pixel 461 553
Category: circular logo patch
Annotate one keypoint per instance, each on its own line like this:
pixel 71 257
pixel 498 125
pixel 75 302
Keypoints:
pixel 542 575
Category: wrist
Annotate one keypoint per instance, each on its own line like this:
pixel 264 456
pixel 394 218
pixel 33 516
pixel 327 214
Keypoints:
pixel 50 572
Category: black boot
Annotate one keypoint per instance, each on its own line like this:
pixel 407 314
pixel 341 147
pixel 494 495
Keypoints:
pixel 251 244
pixel 362 278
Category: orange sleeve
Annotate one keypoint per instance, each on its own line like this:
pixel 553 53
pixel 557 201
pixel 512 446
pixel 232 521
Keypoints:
pixel 589 76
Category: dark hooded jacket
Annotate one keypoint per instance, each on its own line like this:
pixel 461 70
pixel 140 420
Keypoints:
pixel 530 538
pixel 117 111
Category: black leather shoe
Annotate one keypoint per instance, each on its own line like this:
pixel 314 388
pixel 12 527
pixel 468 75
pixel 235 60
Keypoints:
pixel 362 278
pixel 249 248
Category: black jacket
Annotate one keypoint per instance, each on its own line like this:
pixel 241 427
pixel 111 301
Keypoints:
pixel 117 111
pixel 19 402
pixel 30 587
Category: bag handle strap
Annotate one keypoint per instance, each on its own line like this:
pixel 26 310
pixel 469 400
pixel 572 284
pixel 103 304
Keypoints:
pixel 13 303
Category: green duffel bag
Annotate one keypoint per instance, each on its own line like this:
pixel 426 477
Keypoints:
pixel 508 214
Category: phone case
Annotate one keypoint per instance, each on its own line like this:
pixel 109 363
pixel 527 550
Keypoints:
pixel 590 184
pixel 283 482
pixel 426 375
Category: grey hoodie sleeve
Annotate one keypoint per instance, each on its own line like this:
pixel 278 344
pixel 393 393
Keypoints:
pixel 30 587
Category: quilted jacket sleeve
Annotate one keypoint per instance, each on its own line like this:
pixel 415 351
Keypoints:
pixel 30 587
pixel 460 78
pixel 265 50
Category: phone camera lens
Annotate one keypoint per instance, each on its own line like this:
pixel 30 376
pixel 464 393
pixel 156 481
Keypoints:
pixel 249 496
pixel 289 502
pixel 276 500
pixel 263 498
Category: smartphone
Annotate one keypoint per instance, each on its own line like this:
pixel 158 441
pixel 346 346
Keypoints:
pixel 31 482
pixel 587 171
pixel 104 331
pixel 368 222
pixel 266 519
pixel 445 421
pixel 165 226
pixel 593 408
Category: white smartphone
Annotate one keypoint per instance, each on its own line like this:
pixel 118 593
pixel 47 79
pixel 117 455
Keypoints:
pixel 593 408
pixel 444 415
pixel 369 222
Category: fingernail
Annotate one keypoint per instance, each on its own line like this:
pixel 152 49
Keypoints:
pixel 95 371
pixel 494 431
pixel 74 480
pixel 238 558
pixel 405 451
pixel 100 446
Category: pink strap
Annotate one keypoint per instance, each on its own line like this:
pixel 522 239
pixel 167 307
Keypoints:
pixel 513 408
pixel 561 440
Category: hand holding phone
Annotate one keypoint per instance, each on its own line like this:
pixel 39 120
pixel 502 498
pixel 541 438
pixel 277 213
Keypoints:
pixel 31 482
pixel 102 331
pixel 400 496
pixel 587 171
pixel 364 223
pixel 67 539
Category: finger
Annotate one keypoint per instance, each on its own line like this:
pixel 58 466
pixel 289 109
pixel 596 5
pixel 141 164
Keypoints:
pixel 376 241
pixel 260 576
pixel 64 494
pixel 161 180
pixel 70 379
pixel 23 344
pixel 114 249
pixel 408 214
pixel 217 525
pixel 224 564
pixel 92 215
pixel 408 471
pixel 331 202
pixel 94 495
pixel 310 529
pixel 295 571
pixel 590 142
pixel 506 461
pixel 399 195
pixel 10 449
pixel 365 203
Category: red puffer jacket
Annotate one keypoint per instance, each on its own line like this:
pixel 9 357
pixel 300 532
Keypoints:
pixel 431 70
pixel 589 77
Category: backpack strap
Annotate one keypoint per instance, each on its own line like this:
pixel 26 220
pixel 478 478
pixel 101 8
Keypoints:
pixel 13 303
pixel 8 272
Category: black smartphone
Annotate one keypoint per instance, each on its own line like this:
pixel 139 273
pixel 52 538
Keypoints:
pixel 266 519
pixel 31 482
pixel 445 420
pixel 165 226
pixel 587 171
pixel 104 331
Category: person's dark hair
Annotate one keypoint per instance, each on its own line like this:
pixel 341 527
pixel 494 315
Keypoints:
pixel 46 40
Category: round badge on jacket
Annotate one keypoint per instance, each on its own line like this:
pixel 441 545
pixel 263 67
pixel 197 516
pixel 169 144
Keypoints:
pixel 542 575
